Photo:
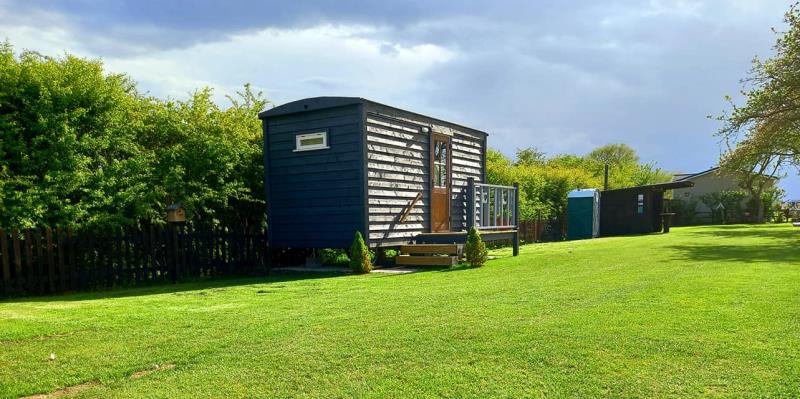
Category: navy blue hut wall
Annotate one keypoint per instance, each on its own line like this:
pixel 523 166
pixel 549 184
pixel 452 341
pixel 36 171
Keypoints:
pixel 375 162
pixel 315 198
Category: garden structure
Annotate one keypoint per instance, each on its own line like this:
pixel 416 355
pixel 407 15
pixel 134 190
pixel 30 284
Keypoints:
pixel 336 165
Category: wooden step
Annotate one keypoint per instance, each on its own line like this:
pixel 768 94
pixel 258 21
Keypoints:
pixel 432 249
pixel 419 260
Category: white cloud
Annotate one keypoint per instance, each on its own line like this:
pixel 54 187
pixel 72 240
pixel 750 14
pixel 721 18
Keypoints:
pixel 564 78
pixel 286 63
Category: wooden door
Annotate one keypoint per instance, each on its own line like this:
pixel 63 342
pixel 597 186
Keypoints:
pixel 440 183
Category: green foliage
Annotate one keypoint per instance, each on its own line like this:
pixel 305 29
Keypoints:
pixel 615 155
pixel 360 259
pixel 530 156
pixel 685 211
pixel 771 202
pixel 766 127
pixel 333 257
pixel 475 249
pixel 732 202
pixel 82 147
pixel 544 182
pixel 389 255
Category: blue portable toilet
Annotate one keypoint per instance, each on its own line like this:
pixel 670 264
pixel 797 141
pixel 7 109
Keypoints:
pixel 583 214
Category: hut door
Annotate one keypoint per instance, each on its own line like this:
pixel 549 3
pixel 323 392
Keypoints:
pixel 440 183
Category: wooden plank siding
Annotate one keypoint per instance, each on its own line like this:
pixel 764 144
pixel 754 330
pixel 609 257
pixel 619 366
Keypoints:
pixel 377 162
pixel 398 167
pixel 315 197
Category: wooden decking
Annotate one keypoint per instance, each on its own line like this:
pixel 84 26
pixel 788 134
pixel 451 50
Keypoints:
pixel 429 254
pixel 460 237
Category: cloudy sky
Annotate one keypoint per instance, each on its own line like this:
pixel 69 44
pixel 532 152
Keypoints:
pixel 561 76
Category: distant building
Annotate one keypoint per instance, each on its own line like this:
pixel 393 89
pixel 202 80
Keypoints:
pixel 708 181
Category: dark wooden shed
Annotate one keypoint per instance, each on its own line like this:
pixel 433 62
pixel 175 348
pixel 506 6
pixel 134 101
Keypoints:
pixel 634 210
pixel 334 165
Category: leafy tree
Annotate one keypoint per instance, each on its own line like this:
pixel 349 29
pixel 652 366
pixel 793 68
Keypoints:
pixel 755 170
pixel 766 129
pixel 68 141
pixel 771 204
pixel 82 147
pixel 545 182
pixel 498 167
pixel 530 156
pixel 615 155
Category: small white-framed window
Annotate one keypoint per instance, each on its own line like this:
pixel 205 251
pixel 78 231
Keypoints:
pixel 311 141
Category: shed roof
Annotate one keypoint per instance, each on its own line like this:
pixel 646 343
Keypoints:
pixel 659 186
pixel 318 103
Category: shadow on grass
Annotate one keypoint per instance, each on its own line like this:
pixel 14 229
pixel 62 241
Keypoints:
pixel 769 231
pixel 782 245
pixel 741 253
pixel 168 288
pixel 459 267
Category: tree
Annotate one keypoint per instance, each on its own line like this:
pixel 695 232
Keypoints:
pixel 530 156
pixel 756 171
pixel 768 124
pixel 498 167
pixel 625 169
pixel 615 155
pixel 544 182
pixel 82 147
pixel 68 142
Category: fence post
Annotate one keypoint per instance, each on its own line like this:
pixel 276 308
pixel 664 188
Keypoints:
pixel 17 259
pixel 516 219
pixel 5 255
pixel 51 267
pixel 172 233
pixel 61 274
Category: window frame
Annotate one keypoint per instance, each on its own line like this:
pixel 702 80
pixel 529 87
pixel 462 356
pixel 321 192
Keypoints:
pixel 299 147
pixel 444 163
pixel 640 204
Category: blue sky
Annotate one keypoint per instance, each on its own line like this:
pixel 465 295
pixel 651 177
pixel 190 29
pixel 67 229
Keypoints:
pixel 561 76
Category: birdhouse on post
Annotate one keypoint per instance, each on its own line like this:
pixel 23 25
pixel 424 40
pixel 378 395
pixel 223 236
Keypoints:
pixel 176 213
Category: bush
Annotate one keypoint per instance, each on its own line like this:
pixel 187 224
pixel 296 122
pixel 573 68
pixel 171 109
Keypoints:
pixel 731 201
pixel 685 212
pixel 475 249
pixel 333 257
pixel 360 260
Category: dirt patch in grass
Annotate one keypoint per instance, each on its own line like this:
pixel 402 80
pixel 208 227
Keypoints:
pixel 38 338
pixel 146 372
pixel 72 390
pixel 64 391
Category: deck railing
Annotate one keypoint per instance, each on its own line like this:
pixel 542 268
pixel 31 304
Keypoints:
pixel 492 207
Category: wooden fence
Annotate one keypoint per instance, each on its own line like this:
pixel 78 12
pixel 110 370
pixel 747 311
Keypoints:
pixel 47 261
pixel 541 230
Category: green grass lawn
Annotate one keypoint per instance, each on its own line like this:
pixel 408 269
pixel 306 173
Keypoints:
pixel 707 311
